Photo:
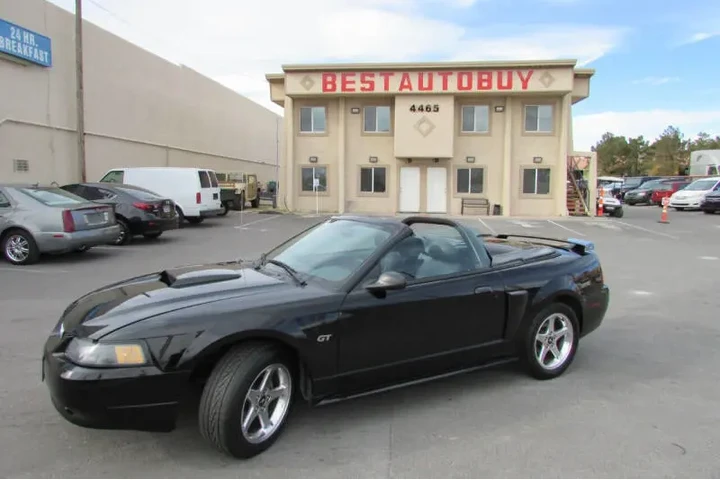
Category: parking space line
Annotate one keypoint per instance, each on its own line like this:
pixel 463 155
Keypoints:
pixel 487 226
pixel 574 232
pixel 654 232
pixel 30 270
pixel 269 217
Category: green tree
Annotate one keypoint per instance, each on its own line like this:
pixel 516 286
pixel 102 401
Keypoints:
pixel 703 141
pixel 671 153
pixel 618 156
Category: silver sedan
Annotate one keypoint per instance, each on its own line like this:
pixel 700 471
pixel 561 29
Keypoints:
pixel 36 220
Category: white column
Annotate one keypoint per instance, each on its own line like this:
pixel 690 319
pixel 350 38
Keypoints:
pixel 507 158
pixel 559 182
pixel 289 160
pixel 341 179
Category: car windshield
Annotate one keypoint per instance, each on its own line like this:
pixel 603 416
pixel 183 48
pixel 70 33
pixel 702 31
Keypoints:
pixel 650 184
pixel 701 185
pixel 632 182
pixel 53 196
pixel 333 250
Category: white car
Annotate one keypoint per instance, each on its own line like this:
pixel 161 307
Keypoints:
pixel 612 206
pixel 691 196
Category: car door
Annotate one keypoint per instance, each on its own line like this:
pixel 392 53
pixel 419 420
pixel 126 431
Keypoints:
pixel 5 210
pixel 452 308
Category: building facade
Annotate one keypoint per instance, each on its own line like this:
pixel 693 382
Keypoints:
pixel 426 138
pixel 140 110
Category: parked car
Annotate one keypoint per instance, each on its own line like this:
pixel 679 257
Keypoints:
pixel 138 211
pixel 612 206
pixel 36 220
pixel 711 202
pixel 666 190
pixel 643 194
pixel 195 191
pixel 350 306
pixel 631 183
pixel 689 198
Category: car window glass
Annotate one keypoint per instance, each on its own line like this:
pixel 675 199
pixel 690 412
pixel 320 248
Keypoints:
pixel 204 179
pixel 213 178
pixel 4 201
pixel 116 176
pixel 432 251
pixel 332 251
pixel 52 196
pixel 91 193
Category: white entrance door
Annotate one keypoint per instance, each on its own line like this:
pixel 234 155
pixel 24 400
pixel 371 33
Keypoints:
pixel 436 190
pixel 410 189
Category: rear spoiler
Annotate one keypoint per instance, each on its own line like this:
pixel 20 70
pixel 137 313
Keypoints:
pixel 581 247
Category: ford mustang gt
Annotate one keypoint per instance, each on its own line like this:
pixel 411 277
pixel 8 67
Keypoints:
pixel 348 307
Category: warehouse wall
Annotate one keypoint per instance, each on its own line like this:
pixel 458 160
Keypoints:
pixel 140 109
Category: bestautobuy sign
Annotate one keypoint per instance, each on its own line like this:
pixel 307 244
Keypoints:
pixel 25 44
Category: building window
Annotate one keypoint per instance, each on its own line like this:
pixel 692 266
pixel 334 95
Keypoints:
pixel 314 176
pixel 372 179
pixel 475 118
pixel 312 119
pixel 539 118
pixel 377 119
pixel 536 181
pixel 470 180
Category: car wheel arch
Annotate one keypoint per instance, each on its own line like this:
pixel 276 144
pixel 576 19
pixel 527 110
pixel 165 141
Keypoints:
pixel 211 355
pixel 560 291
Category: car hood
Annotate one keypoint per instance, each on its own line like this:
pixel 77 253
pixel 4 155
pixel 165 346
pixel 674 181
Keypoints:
pixel 689 194
pixel 123 303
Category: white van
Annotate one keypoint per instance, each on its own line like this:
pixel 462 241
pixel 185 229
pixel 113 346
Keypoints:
pixel 195 191
pixel 691 196
pixel 704 162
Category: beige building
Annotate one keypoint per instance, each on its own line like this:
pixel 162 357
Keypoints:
pixel 401 138
pixel 140 110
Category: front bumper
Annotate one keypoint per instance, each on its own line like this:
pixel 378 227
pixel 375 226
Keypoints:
pixel 61 242
pixel 685 203
pixel 132 398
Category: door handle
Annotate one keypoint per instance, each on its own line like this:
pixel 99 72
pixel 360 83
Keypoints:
pixel 480 290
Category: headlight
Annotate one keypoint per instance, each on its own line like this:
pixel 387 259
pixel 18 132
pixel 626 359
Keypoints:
pixel 94 354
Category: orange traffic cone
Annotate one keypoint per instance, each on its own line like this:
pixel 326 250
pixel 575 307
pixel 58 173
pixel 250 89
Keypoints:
pixel 664 214
pixel 600 204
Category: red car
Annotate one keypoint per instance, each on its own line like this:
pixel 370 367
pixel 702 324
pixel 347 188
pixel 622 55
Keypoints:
pixel 666 190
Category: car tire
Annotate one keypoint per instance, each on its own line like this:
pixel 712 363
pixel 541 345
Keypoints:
pixel 709 211
pixel 226 208
pixel 125 236
pixel 227 400
pixel 17 238
pixel 195 220
pixel 152 236
pixel 180 217
pixel 618 213
pixel 557 314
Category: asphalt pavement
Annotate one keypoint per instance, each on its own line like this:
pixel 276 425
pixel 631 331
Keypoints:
pixel 639 401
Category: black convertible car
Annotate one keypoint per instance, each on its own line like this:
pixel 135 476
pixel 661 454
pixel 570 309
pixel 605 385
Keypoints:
pixel 348 307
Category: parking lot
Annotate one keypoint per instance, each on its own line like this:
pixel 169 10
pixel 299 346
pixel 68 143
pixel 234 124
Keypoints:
pixel 641 399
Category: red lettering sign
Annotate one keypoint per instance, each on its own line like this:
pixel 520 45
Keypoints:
pixel 442 81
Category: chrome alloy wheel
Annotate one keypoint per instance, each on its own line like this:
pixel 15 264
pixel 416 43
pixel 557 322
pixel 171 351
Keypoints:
pixel 266 403
pixel 17 248
pixel 554 341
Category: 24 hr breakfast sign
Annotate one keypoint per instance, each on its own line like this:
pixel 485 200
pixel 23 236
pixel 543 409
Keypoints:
pixel 398 82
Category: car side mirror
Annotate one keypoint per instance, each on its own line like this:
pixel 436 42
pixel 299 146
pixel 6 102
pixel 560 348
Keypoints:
pixel 388 281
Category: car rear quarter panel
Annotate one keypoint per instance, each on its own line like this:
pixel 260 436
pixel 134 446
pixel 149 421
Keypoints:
pixel 33 216
pixel 569 278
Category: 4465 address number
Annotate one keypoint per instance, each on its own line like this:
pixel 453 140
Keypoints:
pixel 425 108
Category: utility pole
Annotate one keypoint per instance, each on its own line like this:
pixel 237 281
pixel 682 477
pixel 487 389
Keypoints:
pixel 80 91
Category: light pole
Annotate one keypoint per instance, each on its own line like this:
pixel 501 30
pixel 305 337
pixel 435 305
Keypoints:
pixel 80 92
